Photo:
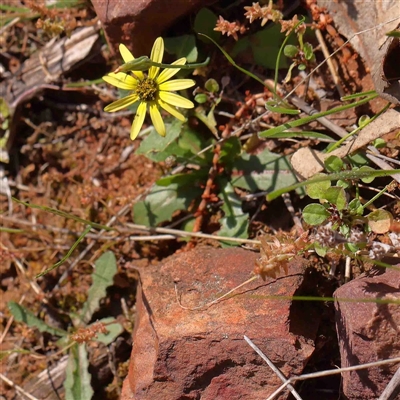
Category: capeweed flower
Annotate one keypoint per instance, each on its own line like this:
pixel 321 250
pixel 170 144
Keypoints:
pixel 153 90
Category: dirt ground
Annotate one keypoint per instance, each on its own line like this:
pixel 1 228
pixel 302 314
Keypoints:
pixel 70 155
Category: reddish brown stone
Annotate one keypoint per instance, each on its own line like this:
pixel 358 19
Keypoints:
pixel 368 332
pixel 138 23
pixel 183 354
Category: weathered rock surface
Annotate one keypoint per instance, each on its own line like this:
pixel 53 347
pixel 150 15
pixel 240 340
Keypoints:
pixel 138 23
pixel 183 354
pixel 368 332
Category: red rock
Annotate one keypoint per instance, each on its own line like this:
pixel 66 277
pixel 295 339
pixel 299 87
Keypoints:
pixel 368 332
pixel 183 354
pixel 138 23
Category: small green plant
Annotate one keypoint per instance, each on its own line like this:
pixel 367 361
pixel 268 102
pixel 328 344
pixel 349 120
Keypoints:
pixel 341 222
pixel 77 382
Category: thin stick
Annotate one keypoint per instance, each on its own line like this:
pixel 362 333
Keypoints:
pixel 181 233
pixel 17 388
pixel 331 67
pixel 332 372
pixel 253 278
pixel 272 366
pixel 393 388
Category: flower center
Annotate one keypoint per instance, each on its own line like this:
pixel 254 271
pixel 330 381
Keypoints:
pixel 147 89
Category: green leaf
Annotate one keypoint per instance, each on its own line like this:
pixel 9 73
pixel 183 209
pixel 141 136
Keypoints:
pixel 379 143
pixel 77 380
pixel 183 179
pixel 317 190
pixel 333 164
pixel 265 45
pixel 162 202
pixel 102 278
pixel 182 46
pixel 308 51
pixel 212 85
pixel 205 22
pixel 158 148
pixel 320 250
pixel 263 171
pixel 290 51
pixel 305 120
pixel 201 98
pixel 380 221
pixel 356 207
pixel 114 329
pixel 332 177
pixel 22 314
pixel 235 223
pixel 230 150
pixel 337 196
pixel 315 214
pixel 274 106
pixel 300 134
pixel 367 179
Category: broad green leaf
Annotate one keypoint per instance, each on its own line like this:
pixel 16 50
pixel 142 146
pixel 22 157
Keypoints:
pixel 114 329
pixel 333 164
pixel 315 214
pixel 205 22
pixel 162 202
pixel 380 221
pixel 230 150
pixel 181 142
pixel 337 196
pixel 182 46
pixel 235 223
pixel 77 380
pixel 317 190
pixel 102 278
pixel 155 147
pixel 184 179
pixel 22 314
pixel 263 171
pixel 265 45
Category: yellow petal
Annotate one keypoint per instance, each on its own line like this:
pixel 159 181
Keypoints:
pixel 168 73
pixel 128 56
pixel 122 103
pixel 121 80
pixel 157 119
pixel 156 55
pixel 171 110
pixel 177 84
pixel 125 53
pixel 175 100
pixel 138 121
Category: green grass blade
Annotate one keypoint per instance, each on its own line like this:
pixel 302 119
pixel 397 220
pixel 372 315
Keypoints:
pixel 70 251
pixel 358 174
pixel 308 119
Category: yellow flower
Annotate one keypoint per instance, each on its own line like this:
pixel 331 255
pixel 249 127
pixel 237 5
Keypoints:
pixel 153 90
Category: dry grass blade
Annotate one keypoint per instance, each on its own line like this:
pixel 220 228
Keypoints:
pixel 272 366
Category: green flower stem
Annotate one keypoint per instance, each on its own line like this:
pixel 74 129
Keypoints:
pixel 143 63
pixel 379 194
